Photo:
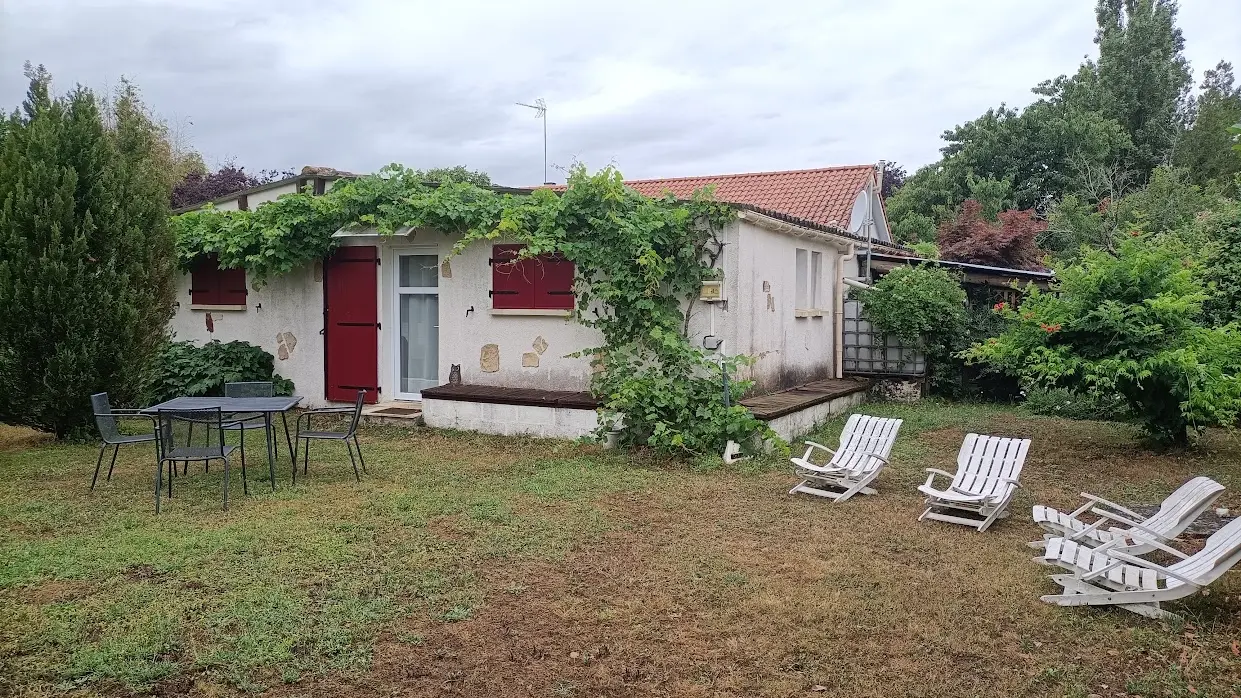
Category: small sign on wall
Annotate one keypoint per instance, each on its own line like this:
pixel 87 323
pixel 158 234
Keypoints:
pixel 711 291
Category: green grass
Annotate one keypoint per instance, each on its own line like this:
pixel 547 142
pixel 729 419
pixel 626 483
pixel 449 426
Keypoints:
pixel 96 589
pixel 506 557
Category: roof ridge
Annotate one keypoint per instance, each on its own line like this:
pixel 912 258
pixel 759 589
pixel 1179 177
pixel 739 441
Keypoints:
pixel 833 168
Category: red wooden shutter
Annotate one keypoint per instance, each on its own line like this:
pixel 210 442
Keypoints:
pixel 512 283
pixel 204 281
pixel 232 289
pixel 553 285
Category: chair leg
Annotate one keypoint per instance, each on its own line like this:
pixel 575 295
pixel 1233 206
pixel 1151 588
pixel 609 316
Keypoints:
pixel 245 487
pixel 98 465
pixel 225 484
pixel 306 457
pixel 112 465
pixel 172 469
pixel 358 447
pixel 353 461
pixel 159 484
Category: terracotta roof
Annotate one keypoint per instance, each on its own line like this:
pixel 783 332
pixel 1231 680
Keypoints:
pixel 824 196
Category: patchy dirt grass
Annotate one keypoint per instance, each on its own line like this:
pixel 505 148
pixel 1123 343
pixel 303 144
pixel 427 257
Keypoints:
pixel 473 566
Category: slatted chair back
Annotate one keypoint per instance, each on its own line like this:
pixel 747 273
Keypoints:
pixel 1220 553
pixel 106 423
pixel 1184 505
pixel 985 462
pixel 250 389
pixel 862 437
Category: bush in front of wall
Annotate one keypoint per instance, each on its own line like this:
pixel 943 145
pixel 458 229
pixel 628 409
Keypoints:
pixel 186 369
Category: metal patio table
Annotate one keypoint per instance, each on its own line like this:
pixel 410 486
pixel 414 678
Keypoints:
pixel 267 406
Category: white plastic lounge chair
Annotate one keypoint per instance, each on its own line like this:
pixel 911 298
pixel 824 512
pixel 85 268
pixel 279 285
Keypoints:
pixel 988 469
pixel 1105 576
pixel 864 447
pixel 1177 512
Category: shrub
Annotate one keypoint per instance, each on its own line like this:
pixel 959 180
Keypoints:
pixel 185 369
pixel 86 264
pixel 922 306
pixel 1127 324
pixel 1060 402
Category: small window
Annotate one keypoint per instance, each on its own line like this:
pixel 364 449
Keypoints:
pixel 544 282
pixel 816 273
pixel 802 299
pixel 215 287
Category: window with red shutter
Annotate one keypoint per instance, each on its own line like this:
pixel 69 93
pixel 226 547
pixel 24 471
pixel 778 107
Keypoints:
pixel 211 285
pixel 544 282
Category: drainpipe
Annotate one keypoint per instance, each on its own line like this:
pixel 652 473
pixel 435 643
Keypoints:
pixel 841 262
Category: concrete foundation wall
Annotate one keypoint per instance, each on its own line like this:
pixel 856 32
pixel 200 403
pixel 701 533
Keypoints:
pixel 510 420
pixel 792 426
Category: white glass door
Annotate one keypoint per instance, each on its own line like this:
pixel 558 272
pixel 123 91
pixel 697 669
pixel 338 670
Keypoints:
pixel 418 315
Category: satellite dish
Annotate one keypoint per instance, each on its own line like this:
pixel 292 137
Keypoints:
pixel 857 217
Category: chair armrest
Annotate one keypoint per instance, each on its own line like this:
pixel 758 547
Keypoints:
pixel 1092 500
pixel 129 414
pixel 937 471
pixel 1112 516
pixel 327 410
pixel 1141 562
pixel 812 444
pixel 1140 540
pixel 1078 535
pixel 967 493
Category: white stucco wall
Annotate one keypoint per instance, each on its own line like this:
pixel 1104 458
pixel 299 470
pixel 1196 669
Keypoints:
pixel 290 303
pixel 789 350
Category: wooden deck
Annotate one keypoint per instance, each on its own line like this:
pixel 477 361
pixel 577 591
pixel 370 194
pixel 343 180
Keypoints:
pixel 512 396
pixel 778 404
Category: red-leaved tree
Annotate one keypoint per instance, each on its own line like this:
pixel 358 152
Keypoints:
pixel 1008 241
pixel 200 187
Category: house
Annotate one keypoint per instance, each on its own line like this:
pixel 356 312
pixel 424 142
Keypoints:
pixel 396 314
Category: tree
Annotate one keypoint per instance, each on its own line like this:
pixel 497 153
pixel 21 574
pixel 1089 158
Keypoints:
pixel 199 186
pixel 1204 150
pixel 1124 110
pixel 894 177
pixel 1007 242
pixel 1220 269
pixel 1143 77
pixel 1126 323
pixel 1041 151
pixel 459 174
pixel 86 264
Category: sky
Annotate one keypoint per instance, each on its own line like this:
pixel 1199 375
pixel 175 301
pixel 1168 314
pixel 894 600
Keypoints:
pixel 659 89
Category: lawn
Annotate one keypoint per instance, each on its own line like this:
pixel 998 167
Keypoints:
pixel 471 565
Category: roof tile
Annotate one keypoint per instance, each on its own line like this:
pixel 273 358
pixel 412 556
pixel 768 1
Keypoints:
pixel 824 196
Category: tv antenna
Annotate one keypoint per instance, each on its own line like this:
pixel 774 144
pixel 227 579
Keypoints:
pixel 540 112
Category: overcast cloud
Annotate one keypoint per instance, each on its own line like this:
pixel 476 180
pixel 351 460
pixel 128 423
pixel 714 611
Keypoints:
pixel 662 89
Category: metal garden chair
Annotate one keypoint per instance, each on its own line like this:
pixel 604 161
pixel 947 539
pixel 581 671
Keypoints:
pixel 241 421
pixel 210 448
pixel 109 431
pixel 350 433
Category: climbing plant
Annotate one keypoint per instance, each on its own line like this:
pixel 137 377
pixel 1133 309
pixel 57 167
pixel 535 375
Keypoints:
pixel 640 264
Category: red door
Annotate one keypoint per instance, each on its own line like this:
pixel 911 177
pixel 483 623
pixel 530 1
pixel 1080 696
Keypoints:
pixel 351 324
